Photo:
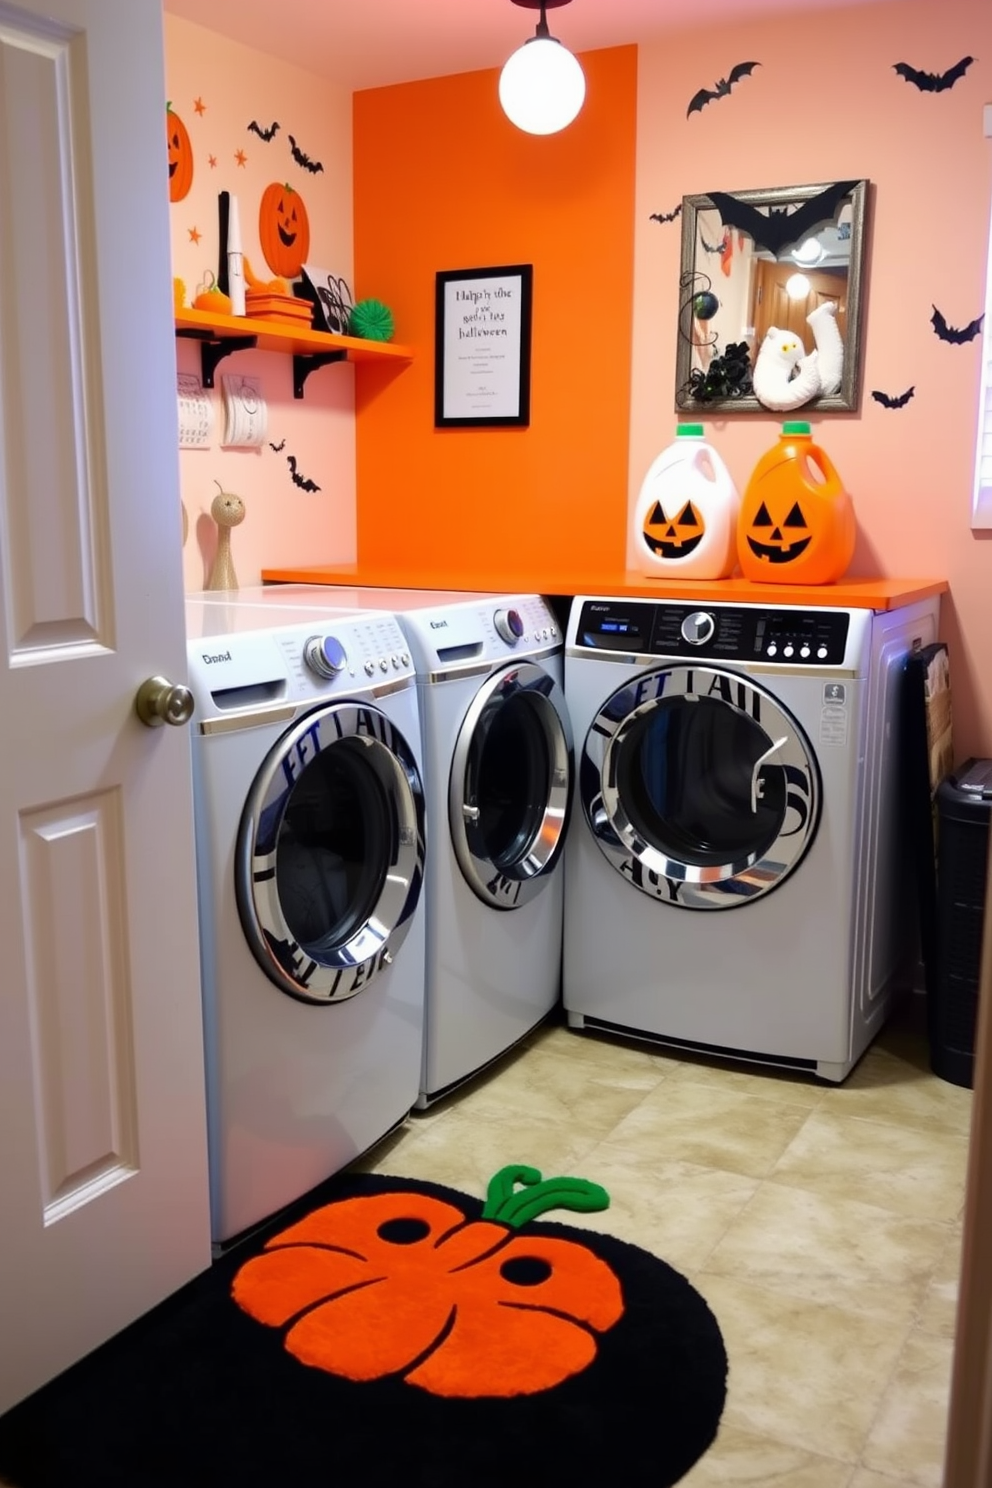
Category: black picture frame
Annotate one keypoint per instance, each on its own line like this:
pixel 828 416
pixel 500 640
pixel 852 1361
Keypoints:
pixel 482 340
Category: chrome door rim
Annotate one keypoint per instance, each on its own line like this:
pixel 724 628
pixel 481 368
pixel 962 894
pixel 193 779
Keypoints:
pixel 646 865
pixel 347 969
pixel 509 886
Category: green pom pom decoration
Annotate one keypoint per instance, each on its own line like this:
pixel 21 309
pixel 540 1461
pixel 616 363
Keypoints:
pixel 372 320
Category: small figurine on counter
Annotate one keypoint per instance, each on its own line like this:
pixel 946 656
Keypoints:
pixel 227 511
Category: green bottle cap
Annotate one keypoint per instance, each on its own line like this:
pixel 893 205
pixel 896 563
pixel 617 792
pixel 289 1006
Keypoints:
pixel 689 431
pixel 797 426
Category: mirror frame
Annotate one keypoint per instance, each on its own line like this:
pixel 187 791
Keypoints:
pixel 848 398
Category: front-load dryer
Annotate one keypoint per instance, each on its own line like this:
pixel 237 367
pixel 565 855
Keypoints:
pixel 310 830
pixel 497 777
pixel 735 871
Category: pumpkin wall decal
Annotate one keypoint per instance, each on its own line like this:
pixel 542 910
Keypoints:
pixel 284 230
pixel 405 1285
pixel 674 537
pixel 180 153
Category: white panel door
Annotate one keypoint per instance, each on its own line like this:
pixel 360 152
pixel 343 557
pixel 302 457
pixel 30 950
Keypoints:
pixel 103 1182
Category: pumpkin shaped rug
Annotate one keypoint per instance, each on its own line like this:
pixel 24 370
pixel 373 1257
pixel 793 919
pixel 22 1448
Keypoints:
pixel 387 1331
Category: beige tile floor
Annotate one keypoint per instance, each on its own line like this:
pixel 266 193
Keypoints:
pixel 822 1224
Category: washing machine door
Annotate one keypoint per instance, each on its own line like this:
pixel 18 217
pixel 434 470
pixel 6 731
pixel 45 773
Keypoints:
pixel 330 853
pixel 510 785
pixel 699 787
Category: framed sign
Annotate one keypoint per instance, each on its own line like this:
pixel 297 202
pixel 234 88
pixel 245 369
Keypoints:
pixel 482 347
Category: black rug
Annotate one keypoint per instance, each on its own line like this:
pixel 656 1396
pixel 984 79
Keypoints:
pixel 408 1335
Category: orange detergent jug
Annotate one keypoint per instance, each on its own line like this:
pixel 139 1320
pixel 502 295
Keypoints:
pixel 796 523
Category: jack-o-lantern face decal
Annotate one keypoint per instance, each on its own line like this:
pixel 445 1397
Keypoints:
pixel 779 543
pixel 284 230
pixel 180 155
pixel 403 1284
pixel 674 537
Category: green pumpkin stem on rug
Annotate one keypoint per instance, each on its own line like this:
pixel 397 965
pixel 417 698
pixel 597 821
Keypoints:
pixel 515 1208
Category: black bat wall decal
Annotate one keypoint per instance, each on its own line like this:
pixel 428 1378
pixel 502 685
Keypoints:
pixel 951 333
pixel 722 88
pixel 780 228
pixel 711 247
pixel 899 402
pixel 264 134
pixel 933 82
pixel 313 166
pixel 666 216
pixel 277 447
pixel 304 483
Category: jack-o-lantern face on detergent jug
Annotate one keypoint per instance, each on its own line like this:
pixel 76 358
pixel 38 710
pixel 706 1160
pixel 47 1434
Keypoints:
pixel 796 523
pixel 686 516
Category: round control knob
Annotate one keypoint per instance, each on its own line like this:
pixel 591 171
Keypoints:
pixel 325 655
pixel 509 626
pixel 698 628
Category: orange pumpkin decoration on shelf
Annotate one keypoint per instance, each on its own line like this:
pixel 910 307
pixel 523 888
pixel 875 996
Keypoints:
pixel 404 1284
pixel 674 537
pixel 796 522
pixel 284 230
pixel 180 155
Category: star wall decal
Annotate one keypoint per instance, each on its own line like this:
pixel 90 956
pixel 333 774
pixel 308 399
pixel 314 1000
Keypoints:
pixel 200 106
pixel 240 157
pixel 212 161
pixel 194 234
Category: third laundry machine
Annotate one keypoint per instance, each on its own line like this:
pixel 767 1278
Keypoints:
pixel 735 873
pixel 498 761
pixel 310 831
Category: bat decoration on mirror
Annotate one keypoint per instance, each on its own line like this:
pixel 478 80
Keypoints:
pixel 951 333
pixel 313 166
pixel 666 216
pixel 899 402
pixel 277 447
pixel 712 247
pixel 264 134
pixel 933 82
pixel 720 89
pixel 303 481
pixel 781 227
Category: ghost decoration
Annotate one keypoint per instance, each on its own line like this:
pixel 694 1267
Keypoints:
pixel 829 346
pixel 785 377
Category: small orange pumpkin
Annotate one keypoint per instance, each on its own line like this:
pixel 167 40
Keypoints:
pixel 674 537
pixel 284 230
pixel 180 155
pixel 404 1284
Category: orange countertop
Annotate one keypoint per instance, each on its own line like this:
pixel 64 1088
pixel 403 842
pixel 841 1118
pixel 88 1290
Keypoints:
pixel 869 594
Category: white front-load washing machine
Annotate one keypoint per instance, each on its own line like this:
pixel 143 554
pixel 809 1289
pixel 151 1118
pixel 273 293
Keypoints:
pixel 735 871
pixel 497 777
pixel 310 831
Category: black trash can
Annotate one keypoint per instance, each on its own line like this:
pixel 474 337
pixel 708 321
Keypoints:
pixel 964 807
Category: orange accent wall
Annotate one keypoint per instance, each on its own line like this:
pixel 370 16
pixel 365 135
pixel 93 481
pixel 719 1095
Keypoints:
pixel 442 180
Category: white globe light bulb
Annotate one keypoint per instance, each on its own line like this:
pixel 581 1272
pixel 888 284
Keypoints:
pixel 542 86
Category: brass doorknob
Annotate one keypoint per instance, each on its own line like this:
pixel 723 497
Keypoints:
pixel 160 701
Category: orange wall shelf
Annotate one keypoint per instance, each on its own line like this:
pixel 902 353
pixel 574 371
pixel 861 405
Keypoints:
pixel 309 348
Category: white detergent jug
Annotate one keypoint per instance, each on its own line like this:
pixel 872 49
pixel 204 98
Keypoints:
pixel 685 519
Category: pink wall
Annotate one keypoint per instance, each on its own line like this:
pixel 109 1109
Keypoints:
pixel 236 84
pixel 825 105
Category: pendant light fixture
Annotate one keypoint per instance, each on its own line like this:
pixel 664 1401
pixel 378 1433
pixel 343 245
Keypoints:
pixel 542 87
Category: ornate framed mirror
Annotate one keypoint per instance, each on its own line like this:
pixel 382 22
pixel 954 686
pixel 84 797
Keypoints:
pixel 778 272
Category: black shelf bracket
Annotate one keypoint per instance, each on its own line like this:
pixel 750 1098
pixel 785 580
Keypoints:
pixel 214 349
pixel 304 364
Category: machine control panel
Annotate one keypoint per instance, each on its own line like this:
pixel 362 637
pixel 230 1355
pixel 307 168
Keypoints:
pixel 816 637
